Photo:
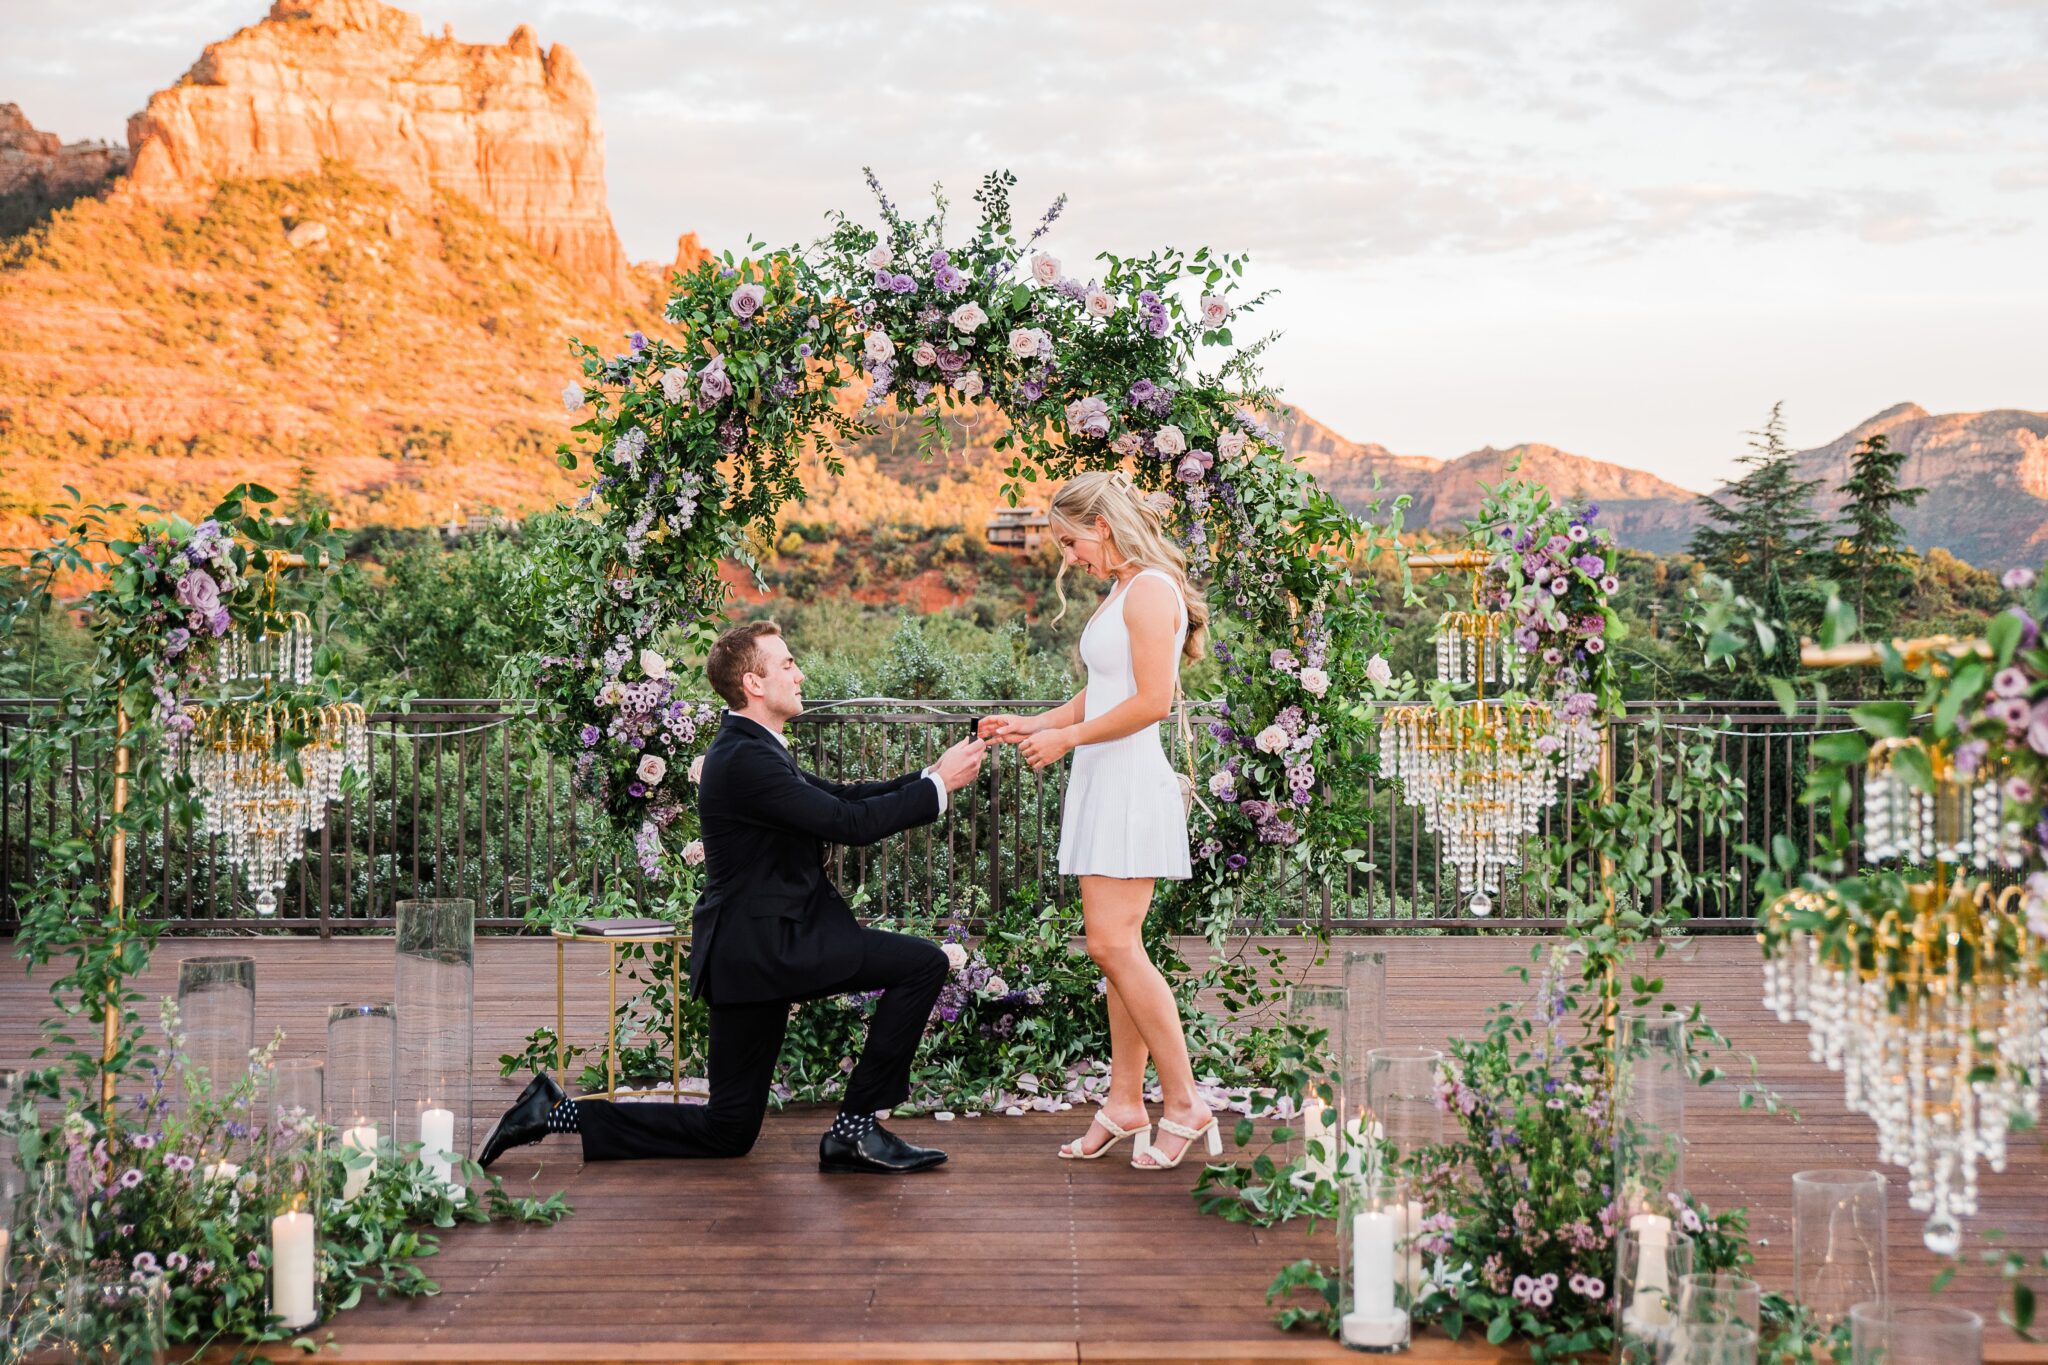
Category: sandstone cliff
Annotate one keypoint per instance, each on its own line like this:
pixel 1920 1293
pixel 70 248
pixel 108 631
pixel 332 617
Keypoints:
pixel 512 129
pixel 40 172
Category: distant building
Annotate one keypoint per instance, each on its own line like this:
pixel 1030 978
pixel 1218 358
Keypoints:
pixel 458 526
pixel 1018 528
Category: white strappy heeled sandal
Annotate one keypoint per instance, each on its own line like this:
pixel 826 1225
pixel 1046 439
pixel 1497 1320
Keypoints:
pixel 1071 1151
pixel 1188 1136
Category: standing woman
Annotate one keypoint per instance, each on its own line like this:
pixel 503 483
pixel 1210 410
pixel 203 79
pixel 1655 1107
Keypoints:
pixel 1124 825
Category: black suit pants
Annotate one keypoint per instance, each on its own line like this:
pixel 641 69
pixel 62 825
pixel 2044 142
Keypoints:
pixel 747 1039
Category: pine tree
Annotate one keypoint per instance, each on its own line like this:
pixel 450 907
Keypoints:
pixel 1868 558
pixel 1763 524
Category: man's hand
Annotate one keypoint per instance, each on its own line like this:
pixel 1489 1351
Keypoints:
pixel 960 764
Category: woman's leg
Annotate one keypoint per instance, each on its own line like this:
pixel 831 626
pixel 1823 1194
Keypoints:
pixel 1113 912
pixel 1128 1055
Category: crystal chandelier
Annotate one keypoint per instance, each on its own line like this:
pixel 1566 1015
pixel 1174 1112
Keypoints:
pixel 1481 777
pixel 1962 820
pixel 1482 772
pixel 239 754
pixel 1934 1012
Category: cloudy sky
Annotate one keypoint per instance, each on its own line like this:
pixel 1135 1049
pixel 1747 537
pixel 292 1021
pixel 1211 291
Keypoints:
pixel 1623 227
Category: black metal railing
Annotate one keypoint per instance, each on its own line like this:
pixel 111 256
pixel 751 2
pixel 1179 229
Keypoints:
pixel 464 800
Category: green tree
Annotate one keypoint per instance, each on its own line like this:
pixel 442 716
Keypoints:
pixel 1871 566
pixel 1764 524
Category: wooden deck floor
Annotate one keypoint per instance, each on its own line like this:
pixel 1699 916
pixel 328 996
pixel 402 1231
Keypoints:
pixel 1005 1253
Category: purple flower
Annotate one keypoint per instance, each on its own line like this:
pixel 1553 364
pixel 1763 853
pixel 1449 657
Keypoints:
pixel 2010 682
pixel 1235 861
pixel 588 734
pixel 255 1260
pixel 2013 712
pixel 130 1178
pixel 940 260
pixel 2037 730
pixel 1031 390
pixel 1157 324
pixel 747 300
pixel 1970 756
pixel 949 280
pixel 902 284
pixel 1142 391
pixel 198 591
pixel 1560 585
pixel 219 622
pixel 175 642
pixel 636 788
pixel 2018 580
pixel 803 350
pixel 713 382
pixel 636 341
pixel 2030 633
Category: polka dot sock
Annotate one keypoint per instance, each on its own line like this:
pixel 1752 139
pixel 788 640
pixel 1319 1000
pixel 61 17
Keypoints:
pixel 854 1127
pixel 562 1118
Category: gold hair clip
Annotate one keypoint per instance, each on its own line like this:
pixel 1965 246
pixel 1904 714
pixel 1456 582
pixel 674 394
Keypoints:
pixel 1119 479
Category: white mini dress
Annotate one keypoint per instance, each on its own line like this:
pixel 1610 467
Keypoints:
pixel 1123 815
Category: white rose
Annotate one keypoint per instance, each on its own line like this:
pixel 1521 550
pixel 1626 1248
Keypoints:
pixel 1215 308
pixel 1229 445
pixel 996 986
pixel 1169 441
pixel 881 258
pixel 652 664
pixel 572 397
pixel 877 347
pixel 925 354
pixel 1099 304
pixel 1045 269
pixel 1314 681
pixel 653 767
pixel 1378 671
pixel 956 956
pixel 693 852
pixel 697 768
pixel 675 384
pixel 1023 343
pixel 968 385
pixel 1272 740
pixel 967 316
pixel 1222 782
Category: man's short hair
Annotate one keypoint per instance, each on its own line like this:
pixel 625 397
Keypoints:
pixel 735 653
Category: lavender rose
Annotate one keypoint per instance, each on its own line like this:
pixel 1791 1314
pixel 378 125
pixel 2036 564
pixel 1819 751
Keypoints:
pixel 1089 416
pixel 713 382
pixel 1230 445
pixel 747 300
pixel 198 591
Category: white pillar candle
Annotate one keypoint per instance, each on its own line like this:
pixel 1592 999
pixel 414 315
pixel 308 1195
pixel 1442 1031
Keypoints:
pixel 6 1249
pixel 1650 1304
pixel 291 1269
pixel 437 1143
pixel 1319 1139
pixel 362 1138
pixel 222 1170
pixel 1373 1319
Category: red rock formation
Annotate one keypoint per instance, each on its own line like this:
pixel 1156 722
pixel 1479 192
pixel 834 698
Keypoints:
pixel 43 166
pixel 512 128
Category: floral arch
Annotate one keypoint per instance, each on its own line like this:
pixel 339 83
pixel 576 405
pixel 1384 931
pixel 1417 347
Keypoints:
pixel 694 444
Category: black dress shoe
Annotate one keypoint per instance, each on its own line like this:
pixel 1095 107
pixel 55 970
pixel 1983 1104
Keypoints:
pixel 879 1152
pixel 526 1121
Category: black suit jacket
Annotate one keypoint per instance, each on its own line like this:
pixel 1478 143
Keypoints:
pixel 770 924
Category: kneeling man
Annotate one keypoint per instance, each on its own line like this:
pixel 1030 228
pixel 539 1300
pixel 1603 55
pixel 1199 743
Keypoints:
pixel 771 929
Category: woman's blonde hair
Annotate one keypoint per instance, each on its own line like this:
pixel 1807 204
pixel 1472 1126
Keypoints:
pixel 1137 535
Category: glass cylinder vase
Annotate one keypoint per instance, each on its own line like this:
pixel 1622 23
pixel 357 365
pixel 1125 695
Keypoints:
pixel 1838 1242
pixel 1316 1022
pixel 434 992
pixel 1884 1335
pixel 216 1021
pixel 1373 1246
pixel 1651 1259
pixel 296 1153
pixel 1365 1020
pixel 1650 1081
pixel 362 1060
pixel 114 1321
pixel 1401 1099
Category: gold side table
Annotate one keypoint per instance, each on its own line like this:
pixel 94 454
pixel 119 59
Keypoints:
pixel 678 940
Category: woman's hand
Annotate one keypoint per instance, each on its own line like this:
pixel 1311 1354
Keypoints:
pixel 1046 747
pixel 1009 729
